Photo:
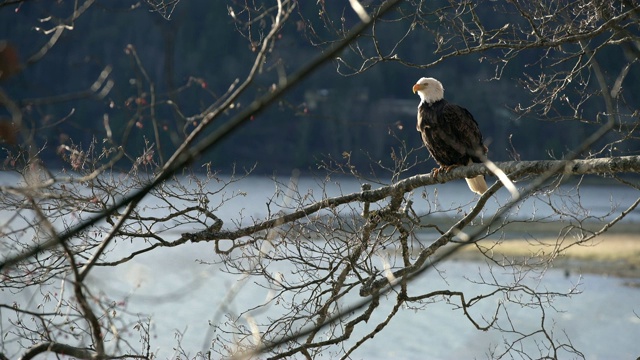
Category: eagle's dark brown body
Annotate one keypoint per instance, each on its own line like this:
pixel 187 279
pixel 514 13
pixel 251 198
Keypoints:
pixel 450 133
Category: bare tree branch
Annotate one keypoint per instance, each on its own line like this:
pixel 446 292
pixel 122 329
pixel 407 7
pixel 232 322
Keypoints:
pixel 62 349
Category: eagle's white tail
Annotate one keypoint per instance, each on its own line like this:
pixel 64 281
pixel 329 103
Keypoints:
pixel 477 184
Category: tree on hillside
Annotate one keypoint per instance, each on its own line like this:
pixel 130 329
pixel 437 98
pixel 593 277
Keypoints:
pixel 337 269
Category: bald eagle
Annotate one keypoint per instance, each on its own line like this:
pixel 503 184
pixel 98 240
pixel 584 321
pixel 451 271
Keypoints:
pixel 449 132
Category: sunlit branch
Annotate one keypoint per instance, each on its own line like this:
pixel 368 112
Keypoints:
pixel 58 348
pixel 130 49
pixel 58 30
pixel 625 164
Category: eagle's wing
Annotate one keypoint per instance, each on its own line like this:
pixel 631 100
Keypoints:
pixel 463 132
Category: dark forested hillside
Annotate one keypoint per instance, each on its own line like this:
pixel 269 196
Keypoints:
pixel 193 58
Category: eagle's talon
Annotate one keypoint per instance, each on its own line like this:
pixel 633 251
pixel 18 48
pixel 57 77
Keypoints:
pixel 449 168
pixel 435 172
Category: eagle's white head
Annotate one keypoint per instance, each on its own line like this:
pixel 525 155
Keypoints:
pixel 430 90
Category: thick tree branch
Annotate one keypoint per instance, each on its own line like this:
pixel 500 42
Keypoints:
pixel 66 351
pixel 613 165
pixel 61 349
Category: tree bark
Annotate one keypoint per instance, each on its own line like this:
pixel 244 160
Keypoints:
pixel 61 349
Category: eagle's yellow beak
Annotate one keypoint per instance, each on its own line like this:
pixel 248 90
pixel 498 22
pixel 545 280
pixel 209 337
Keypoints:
pixel 417 87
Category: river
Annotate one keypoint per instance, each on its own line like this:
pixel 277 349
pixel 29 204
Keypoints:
pixel 182 295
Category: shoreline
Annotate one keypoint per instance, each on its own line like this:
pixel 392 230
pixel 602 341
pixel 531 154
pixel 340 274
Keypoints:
pixel 610 254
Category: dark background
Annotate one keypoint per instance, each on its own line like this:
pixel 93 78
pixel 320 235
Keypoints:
pixel 368 115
